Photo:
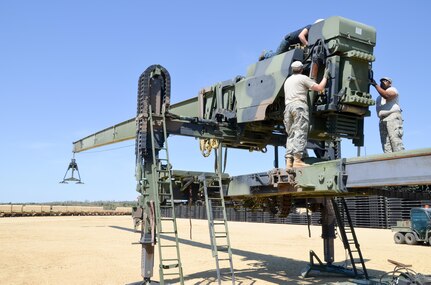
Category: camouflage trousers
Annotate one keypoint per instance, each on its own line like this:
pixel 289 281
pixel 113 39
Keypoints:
pixel 391 132
pixel 296 122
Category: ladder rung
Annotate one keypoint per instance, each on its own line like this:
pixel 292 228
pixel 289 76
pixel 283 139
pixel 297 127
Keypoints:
pixel 170 266
pixel 214 198
pixel 166 219
pixel 220 233
pixel 170 274
pixel 218 223
pixel 169 259
pixel 221 259
pixel 224 236
pixel 169 245
pixel 222 248
pixel 169 233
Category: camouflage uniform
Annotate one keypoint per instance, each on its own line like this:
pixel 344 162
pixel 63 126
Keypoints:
pixel 391 122
pixel 296 121
pixel 296 117
pixel 391 132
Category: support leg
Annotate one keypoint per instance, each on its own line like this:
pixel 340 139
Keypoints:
pixel 328 230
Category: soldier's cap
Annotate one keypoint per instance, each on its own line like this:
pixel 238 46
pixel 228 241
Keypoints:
pixel 296 65
pixel 386 78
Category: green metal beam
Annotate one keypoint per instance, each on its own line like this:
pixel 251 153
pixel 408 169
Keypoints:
pixel 117 133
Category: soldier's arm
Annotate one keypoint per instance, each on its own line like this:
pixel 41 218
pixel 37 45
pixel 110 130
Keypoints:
pixel 319 87
pixel 387 94
pixel 303 36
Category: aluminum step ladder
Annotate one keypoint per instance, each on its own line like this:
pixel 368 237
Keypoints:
pixel 217 224
pixel 348 236
pixel 164 208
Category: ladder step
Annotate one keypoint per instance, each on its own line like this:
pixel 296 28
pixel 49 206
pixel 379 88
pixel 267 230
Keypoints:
pixel 166 219
pixel 220 233
pixel 218 223
pixel 170 274
pixel 168 233
pixel 224 236
pixel 170 266
pixel 169 245
pixel 222 259
pixel 223 248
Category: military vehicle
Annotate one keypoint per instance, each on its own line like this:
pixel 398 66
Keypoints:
pixel 416 230
pixel 246 112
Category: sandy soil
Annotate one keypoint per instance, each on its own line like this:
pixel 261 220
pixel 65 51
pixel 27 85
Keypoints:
pixel 99 250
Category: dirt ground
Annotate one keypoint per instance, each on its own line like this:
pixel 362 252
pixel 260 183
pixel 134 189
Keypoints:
pixel 99 250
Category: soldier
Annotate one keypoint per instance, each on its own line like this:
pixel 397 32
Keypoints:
pixel 297 37
pixel 296 112
pixel 389 112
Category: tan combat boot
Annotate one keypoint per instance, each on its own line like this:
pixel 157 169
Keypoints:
pixel 297 161
pixel 289 161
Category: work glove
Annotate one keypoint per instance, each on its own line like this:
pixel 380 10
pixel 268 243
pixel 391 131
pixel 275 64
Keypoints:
pixel 327 75
pixel 373 82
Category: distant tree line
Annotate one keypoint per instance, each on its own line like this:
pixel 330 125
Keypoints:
pixel 107 205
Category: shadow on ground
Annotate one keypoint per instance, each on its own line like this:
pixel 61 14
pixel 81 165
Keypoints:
pixel 262 268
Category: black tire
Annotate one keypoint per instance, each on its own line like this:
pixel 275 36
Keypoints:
pixel 399 238
pixel 429 241
pixel 411 239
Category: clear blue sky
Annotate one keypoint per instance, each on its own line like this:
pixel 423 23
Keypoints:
pixel 70 68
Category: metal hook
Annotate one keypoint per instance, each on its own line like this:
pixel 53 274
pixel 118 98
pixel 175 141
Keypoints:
pixel 73 166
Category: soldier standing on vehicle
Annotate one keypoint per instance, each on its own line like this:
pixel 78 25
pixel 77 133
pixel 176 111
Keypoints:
pixel 389 112
pixel 296 118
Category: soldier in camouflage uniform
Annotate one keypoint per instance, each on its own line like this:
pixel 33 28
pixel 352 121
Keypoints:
pixel 389 111
pixel 296 119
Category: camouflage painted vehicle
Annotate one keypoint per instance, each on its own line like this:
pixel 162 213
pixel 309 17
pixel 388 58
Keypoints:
pixel 253 105
pixel 247 111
